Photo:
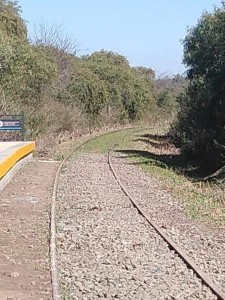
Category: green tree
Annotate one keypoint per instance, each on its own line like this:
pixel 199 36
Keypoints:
pixel 86 90
pixel 200 130
pixel 167 101
pixel 10 20
pixel 129 90
pixel 26 71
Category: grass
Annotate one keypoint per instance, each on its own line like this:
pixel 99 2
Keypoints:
pixel 149 148
pixel 107 141
pixel 202 201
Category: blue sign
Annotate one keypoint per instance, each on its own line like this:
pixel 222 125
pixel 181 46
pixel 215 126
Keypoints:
pixel 11 124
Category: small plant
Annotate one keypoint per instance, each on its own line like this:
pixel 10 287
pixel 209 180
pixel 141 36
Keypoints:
pixel 60 156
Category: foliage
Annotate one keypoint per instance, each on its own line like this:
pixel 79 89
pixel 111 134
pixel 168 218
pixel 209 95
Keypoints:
pixel 25 71
pixel 127 92
pixel 166 100
pixel 169 89
pixel 87 91
pixel 200 130
pixel 28 72
pixel 10 21
pixel 57 90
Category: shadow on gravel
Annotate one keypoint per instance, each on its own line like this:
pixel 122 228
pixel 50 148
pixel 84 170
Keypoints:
pixel 163 154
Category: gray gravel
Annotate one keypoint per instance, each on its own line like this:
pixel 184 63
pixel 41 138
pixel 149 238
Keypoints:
pixel 105 248
pixel 204 243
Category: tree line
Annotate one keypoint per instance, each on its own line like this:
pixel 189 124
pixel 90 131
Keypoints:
pixel 57 90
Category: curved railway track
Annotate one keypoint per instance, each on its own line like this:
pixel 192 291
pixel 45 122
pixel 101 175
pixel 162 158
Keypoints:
pixel 53 255
pixel 173 246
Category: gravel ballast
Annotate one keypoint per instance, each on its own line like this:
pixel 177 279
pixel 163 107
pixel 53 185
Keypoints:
pixel 204 243
pixel 105 248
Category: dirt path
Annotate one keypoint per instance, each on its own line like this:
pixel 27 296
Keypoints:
pixel 24 210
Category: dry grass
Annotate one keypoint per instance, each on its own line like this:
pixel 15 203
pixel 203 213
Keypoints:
pixel 202 200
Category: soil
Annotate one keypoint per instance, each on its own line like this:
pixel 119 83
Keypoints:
pixel 25 205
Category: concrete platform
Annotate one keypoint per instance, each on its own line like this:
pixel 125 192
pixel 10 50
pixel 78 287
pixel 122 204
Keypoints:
pixel 13 155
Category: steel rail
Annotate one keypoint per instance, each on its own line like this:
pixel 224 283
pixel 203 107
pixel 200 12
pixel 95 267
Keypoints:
pixel 53 251
pixel 172 245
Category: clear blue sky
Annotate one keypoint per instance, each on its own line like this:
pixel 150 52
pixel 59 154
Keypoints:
pixel 147 32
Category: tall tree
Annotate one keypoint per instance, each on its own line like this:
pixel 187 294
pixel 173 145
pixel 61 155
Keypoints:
pixel 200 130
pixel 10 20
pixel 129 90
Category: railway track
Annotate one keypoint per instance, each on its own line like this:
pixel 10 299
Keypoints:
pixel 86 209
pixel 172 245
pixel 56 294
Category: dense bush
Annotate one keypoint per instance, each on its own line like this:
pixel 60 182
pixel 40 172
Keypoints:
pixel 200 130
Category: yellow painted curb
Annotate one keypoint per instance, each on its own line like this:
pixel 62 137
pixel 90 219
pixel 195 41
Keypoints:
pixel 8 162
